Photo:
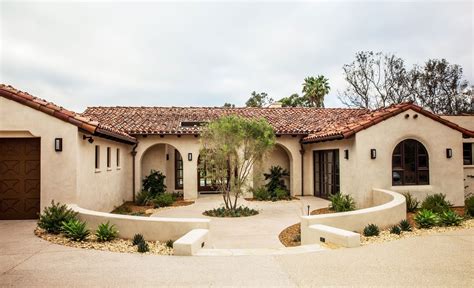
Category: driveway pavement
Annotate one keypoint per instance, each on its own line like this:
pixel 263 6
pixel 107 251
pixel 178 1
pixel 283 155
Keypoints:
pixel 259 231
pixel 445 260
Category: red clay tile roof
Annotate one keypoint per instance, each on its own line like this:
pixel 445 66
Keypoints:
pixel 317 124
pixel 84 123
pixel 167 120
pixel 347 129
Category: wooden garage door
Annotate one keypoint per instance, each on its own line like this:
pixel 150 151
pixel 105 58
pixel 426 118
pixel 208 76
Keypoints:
pixel 19 178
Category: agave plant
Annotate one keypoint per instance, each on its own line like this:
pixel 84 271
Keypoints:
pixel 426 218
pixel 371 230
pixel 106 232
pixel 75 230
pixel 405 225
pixel 450 218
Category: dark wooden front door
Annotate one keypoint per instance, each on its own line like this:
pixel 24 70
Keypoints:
pixel 19 178
pixel 326 172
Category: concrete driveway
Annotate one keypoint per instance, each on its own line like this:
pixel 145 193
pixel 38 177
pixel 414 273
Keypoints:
pixel 445 260
pixel 259 231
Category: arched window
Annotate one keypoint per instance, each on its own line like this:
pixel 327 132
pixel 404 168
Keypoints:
pixel 410 165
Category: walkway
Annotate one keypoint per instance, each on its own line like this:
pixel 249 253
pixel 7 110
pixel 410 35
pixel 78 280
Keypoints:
pixel 260 231
pixel 436 260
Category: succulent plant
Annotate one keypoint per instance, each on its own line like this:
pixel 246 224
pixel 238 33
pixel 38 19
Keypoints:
pixel 142 247
pixel 450 218
pixel 426 219
pixel 371 230
pixel 137 239
pixel 395 230
pixel 405 225
pixel 106 232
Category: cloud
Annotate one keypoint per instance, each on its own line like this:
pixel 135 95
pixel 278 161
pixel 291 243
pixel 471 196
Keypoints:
pixel 199 54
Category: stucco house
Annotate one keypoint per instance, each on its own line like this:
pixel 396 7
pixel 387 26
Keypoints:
pixel 98 158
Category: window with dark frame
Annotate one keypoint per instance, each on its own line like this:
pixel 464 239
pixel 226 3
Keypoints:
pixel 178 175
pixel 410 164
pixel 108 158
pixel 118 157
pixel 467 153
pixel 97 157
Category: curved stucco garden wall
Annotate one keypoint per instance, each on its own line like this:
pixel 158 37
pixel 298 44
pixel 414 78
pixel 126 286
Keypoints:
pixel 152 228
pixel 389 209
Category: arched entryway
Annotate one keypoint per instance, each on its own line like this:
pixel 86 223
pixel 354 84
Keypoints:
pixel 279 156
pixel 166 159
pixel 205 183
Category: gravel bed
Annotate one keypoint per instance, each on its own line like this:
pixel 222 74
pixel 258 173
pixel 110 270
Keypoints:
pixel 385 235
pixel 116 245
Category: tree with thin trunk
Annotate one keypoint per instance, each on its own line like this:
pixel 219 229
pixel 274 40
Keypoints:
pixel 230 146
pixel 314 90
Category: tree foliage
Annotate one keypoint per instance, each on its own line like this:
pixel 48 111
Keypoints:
pixel 259 100
pixel 377 80
pixel 314 90
pixel 294 100
pixel 230 146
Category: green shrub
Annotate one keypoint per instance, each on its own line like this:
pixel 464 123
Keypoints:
pixel 163 200
pixel 395 230
pixel 142 247
pixel 177 195
pixel 469 202
pixel 53 217
pixel 341 203
pixel 106 232
pixel 137 238
pixel 436 203
pixel 261 194
pixel 282 194
pixel 169 243
pixel 275 180
pixel 405 225
pixel 426 218
pixel 123 209
pixel 411 202
pixel 143 198
pixel 75 230
pixel 241 211
pixel 371 230
pixel 450 218
pixel 154 183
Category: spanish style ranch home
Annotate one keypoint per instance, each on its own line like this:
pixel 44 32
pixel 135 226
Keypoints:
pixel 98 158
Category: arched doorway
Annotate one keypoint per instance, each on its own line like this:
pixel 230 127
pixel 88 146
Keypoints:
pixel 166 159
pixel 279 156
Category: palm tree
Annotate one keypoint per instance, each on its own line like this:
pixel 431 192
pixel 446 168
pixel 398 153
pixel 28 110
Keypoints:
pixel 314 89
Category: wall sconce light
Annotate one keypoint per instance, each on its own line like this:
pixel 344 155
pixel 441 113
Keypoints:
pixel 449 153
pixel 58 144
pixel 167 157
pixel 84 137
pixel 346 154
pixel 190 156
pixel 373 153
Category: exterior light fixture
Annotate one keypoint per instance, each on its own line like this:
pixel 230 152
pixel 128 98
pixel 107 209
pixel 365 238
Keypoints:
pixel 449 153
pixel 346 154
pixel 58 144
pixel 190 156
pixel 373 153
pixel 84 137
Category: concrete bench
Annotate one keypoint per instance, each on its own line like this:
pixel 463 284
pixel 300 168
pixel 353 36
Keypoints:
pixel 191 242
pixel 340 237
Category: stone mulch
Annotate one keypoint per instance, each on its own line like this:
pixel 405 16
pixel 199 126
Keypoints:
pixel 385 235
pixel 291 236
pixel 289 199
pixel 116 245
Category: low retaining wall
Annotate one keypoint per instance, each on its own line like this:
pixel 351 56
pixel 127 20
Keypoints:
pixel 152 228
pixel 389 209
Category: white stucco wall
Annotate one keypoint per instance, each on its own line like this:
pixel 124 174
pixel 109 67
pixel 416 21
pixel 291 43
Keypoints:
pixel 360 174
pixel 58 169
pixel 105 188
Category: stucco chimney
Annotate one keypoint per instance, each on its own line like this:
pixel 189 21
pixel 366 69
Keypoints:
pixel 275 105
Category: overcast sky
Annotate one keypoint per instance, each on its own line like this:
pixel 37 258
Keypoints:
pixel 205 54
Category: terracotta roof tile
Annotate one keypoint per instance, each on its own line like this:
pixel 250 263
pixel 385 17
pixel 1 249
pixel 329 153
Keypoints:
pixel 59 112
